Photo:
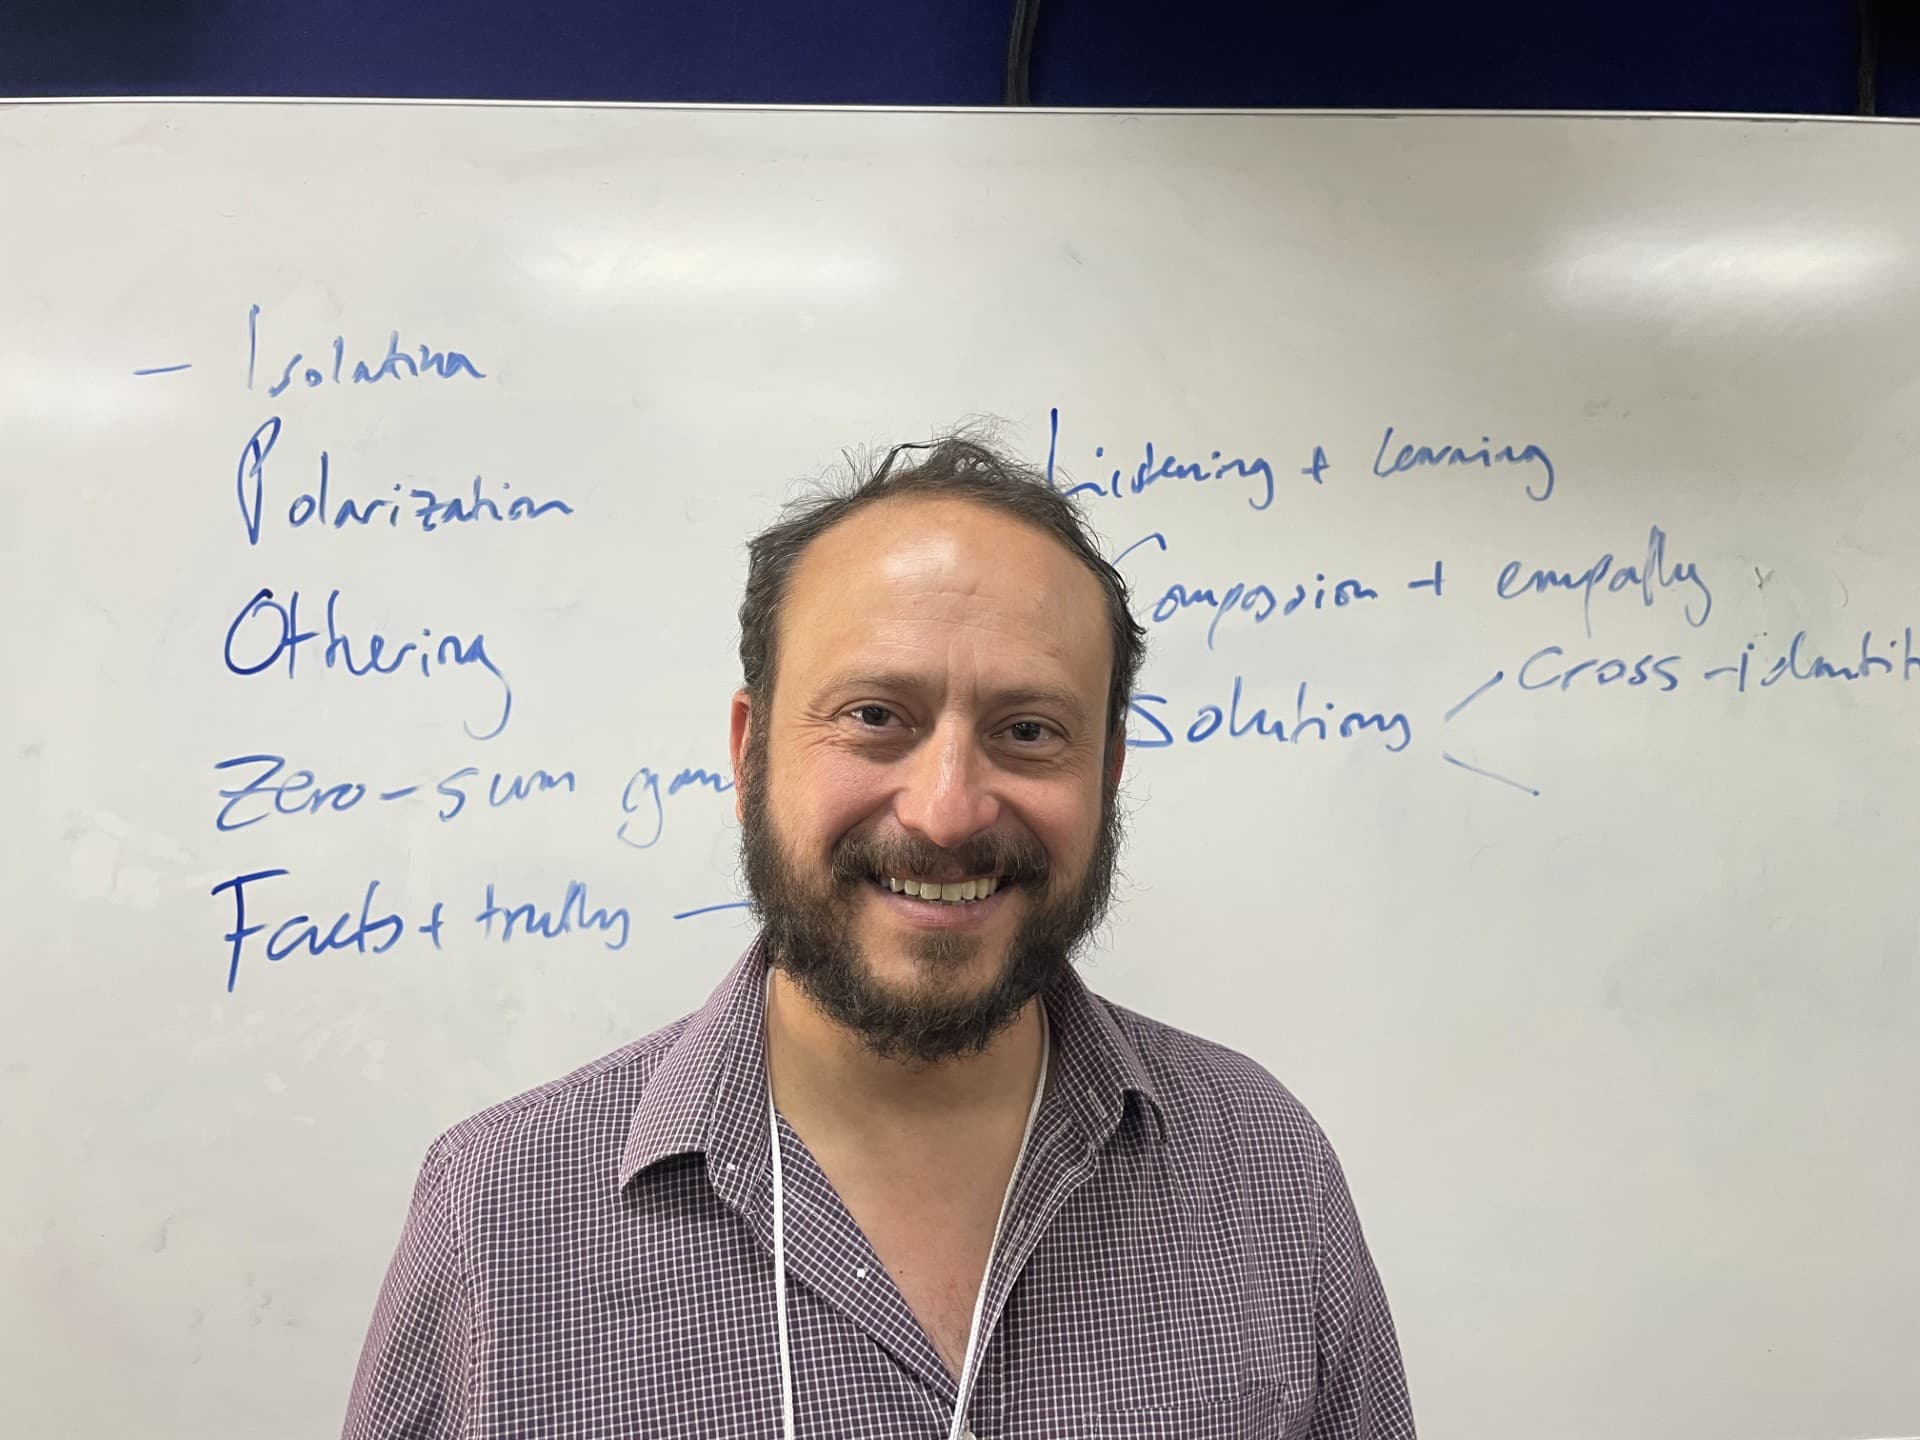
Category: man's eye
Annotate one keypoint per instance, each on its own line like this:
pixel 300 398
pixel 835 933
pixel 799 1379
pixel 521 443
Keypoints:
pixel 1028 732
pixel 873 716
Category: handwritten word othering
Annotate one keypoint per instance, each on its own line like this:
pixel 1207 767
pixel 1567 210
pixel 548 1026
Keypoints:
pixel 267 630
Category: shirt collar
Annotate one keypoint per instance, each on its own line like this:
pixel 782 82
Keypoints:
pixel 1096 1062
pixel 707 1096
pixel 701 1093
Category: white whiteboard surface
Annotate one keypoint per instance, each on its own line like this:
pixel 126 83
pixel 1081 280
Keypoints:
pixel 1624 1071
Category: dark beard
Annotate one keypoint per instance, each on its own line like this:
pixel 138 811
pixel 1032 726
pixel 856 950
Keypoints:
pixel 809 932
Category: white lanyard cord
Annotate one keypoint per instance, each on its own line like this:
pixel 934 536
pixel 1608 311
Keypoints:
pixel 980 1300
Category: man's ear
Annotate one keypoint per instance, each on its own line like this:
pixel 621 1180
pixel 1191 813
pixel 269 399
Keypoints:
pixel 1116 759
pixel 739 732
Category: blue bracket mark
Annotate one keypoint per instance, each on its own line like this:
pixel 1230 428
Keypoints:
pixel 1476 770
pixel 1498 676
pixel 1156 538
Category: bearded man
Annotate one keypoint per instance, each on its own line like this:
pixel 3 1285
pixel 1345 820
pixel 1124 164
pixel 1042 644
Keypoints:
pixel 903 1175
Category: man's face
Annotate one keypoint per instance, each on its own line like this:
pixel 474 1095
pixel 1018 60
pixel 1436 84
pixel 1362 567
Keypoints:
pixel 939 715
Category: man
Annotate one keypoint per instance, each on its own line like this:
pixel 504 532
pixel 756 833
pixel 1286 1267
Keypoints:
pixel 998 1205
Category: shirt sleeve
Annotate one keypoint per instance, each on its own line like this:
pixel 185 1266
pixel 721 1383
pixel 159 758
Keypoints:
pixel 412 1381
pixel 1361 1387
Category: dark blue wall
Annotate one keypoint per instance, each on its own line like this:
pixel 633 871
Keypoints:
pixel 1759 55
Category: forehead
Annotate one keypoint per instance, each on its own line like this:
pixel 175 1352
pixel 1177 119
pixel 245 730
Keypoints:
pixel 907 581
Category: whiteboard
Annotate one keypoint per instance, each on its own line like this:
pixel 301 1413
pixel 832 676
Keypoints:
pixel 1522 509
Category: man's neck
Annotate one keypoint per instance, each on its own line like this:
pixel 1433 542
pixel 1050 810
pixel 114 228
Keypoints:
pixel 823 1075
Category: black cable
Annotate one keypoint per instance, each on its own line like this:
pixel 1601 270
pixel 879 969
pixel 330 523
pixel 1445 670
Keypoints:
pixel 1014 88
pixel 1866 93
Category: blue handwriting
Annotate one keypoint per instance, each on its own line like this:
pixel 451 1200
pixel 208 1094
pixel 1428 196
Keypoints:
pixel 425 508
pixel 298 793
pixel 502 790
pixel 1212 720
pixel 1648 577
pixel 1417 457
pixel 1546 669
pixel 371 927
pixel 274 790
pixel 1257 600
pixel 367 930
pixel 1549 668
pixel 1262 601
pixel 332 369
pixel 642 803
pixel 1153 467
pixel 273 630
pixel 575 913
pixel 1800 661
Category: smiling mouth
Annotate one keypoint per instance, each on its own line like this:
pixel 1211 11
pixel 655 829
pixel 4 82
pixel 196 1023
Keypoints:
pixel 951 892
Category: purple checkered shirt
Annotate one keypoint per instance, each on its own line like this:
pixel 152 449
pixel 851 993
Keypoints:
pixel 595 1259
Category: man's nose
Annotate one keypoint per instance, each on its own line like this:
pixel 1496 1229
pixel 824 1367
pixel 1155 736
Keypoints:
pixel 948 796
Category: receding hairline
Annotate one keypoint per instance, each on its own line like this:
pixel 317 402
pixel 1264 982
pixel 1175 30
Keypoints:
pixel 1013 517
pixel 959 467
pixel 879 677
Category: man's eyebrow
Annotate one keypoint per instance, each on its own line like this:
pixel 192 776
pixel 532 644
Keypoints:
pixel 894 682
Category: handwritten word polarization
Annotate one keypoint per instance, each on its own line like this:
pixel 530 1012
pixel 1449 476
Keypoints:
pixel 285 480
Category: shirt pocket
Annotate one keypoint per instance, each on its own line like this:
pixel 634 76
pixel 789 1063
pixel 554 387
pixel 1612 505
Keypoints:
pixel 1258 1412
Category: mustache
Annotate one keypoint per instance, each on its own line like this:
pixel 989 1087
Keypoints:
pixel 1014 857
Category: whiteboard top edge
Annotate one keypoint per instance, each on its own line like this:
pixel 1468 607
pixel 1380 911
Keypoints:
pixel 1738 116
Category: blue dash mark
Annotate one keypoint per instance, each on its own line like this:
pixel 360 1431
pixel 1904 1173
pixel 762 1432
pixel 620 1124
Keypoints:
pixel 709 909
pixel 1498 676
pixel 1476 770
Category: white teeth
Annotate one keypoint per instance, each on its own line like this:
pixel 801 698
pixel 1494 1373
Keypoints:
pixel 957 892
